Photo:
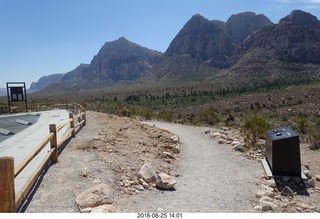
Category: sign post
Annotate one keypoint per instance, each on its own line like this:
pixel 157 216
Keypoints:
pixel 16 92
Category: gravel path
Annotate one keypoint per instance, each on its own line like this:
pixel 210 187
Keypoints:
pixel 213 178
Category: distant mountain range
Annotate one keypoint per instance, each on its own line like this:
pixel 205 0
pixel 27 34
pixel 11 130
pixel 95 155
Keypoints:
pixel 246 49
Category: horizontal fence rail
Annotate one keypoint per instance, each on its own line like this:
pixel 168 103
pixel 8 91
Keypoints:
pixel 9 201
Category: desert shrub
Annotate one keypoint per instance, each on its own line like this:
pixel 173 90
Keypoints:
pixel 301 125
pixel 314 136
pixel 230 119
pixel 253 128
pixel 165 114
pixel 209 116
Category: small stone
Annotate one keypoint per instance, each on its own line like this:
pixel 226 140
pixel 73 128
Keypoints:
pixel 271 183
pixel 265 199
pixel 104 209
pixel 139 187
pixel 311 183
pixel 176 150
pixel 175 139
pixel 221 141
pixel 207 131
pixel 160 209
pixel 258 208
pixel 267 208
pixel 165 181
pixel 215 134
pixel 168 155
pixel 86 210
pixel 286 191
pixel 317 177
pixel 307 174
pixel 239 147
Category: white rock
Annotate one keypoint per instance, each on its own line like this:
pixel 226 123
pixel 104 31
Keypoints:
pixel 271 183
pixel 148 173
pixel 265 199
pixel 95 196
pixel 165 181
pixel 175 139
pixel 267 203
pixel 317 177
pixel 86 210
pixel 258 208
pixel 215 134
pixel 168 155
pixel 235 143
pixel 104 209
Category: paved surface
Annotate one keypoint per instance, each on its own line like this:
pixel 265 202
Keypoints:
pixel 12 124
pixel 27 137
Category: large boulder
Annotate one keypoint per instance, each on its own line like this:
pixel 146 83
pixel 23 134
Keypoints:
pixel 148 173
pixel 165 182
pixel 98 195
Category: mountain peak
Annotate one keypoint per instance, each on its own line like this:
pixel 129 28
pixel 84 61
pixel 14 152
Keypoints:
pixel 302 18
pixel 239 26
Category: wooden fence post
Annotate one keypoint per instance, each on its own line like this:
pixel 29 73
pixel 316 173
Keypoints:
pixel 7 191
pixel 54 143
pixel 73 133
pixel 84 118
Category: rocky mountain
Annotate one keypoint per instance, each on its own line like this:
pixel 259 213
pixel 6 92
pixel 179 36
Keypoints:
pixel 119 60
pixel 45 81
pixel 288 52
pixel 72 76
pixel 247 48
pixel 206 47
pixel 239 26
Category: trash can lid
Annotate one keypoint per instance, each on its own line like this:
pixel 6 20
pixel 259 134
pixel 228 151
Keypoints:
pixel 282 132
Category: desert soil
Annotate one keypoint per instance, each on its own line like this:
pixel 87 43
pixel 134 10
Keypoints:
pixel 211 177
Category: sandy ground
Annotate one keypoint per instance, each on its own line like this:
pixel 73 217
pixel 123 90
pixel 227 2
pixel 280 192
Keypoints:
pixel 211 177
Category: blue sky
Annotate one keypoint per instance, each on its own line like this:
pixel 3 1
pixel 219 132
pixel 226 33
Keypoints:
pixel 43 37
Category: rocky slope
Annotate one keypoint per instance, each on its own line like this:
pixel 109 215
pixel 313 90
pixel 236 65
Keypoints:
pixel 45 81
pixel 287 52
pixel 119 60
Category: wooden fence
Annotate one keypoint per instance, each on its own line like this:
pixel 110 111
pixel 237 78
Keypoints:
pixel 9 201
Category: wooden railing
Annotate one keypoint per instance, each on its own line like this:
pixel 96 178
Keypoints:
pixel 9 201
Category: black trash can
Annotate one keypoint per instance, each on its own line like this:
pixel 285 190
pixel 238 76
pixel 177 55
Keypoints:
pixel 283 152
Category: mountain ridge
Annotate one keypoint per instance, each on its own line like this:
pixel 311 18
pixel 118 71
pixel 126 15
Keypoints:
pixel 247 46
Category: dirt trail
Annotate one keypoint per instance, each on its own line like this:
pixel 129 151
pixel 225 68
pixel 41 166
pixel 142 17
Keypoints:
pixel 212 178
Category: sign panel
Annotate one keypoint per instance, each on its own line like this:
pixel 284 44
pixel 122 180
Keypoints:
pixel 16 94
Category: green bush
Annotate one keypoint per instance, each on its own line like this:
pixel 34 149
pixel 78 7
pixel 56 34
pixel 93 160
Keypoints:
pixel 253 128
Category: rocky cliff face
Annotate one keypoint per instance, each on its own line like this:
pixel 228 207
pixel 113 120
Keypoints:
pixel 72 76
pixel 285 53
pixel 239 26
pixel 295 39
pixel 45 81
pixel 205 41
pixel 119 60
